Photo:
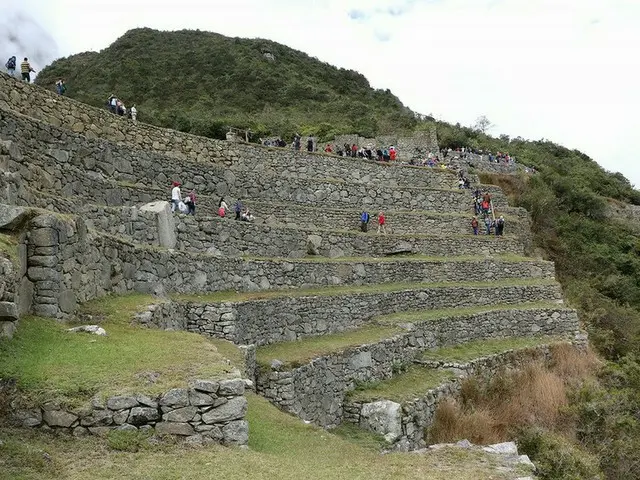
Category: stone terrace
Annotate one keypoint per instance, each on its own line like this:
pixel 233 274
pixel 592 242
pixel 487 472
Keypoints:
pixel 328 306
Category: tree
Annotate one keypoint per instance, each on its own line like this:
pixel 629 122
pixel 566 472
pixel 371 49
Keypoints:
pixel 482 124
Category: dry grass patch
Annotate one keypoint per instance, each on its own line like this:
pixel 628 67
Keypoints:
pixel 495 410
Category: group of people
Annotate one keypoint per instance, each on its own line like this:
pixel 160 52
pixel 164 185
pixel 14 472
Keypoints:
pixel 483 207
pixel 385 154
pixel 25 68
pixel 117 107
pixel 242 213
pixel 496 224
pixel 380 218
pixel 185 205
pixel 465 152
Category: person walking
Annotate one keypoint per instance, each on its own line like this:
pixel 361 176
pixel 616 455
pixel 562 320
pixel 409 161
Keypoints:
pixel 381 223
pixel 364 221
pixel 134 113
pixel 176 197
pixel 25 68
pixel 474 225
pixel 61 88
pixel 191 203
pixel 238 208
pixel 11 66
pixel 222 208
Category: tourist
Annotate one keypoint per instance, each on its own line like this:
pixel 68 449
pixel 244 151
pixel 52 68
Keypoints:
pixel 25 68
pixel 296 142
pixel 354 150
pixel 474 225
pixel 381 223
pixel 222 208
pixel 487 224
pixel 238 208
pixel 191 202
pixel 385 155
pixel 247 216
pixel 176 197
pixel 392 153
pixel 112 103
pixel 328 149
pixel 310 145
pixel 134 113
pixel 11 66
pixel 364 221
pixel 500 226
pixel 61 88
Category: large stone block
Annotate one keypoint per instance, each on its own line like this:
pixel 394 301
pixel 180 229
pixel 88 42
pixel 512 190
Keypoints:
pixel 383 417
pixel 171 428
pixel 234 409
pixel 8 311
pixel 44 237
pixel 12 217
pixel 121 402
pixel 165 222
pixel 236 433
pixel 143 415
pixel 58 418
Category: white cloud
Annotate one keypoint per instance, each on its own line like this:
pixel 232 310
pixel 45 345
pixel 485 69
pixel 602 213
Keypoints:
pixel 566 70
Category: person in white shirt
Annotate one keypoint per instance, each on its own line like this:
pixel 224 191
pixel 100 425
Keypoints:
pixel 134 113
pixel 176 197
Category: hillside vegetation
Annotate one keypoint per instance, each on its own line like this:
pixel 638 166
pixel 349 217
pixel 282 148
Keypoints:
pixel 598 263
pixel 201 82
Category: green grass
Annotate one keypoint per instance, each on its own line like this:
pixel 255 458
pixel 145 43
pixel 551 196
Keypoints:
pixel 9 247
pixel 482 348
pixel 425 315
pixel 232 296
pixel 51 363
pixel 294 354
pixel 413 383
pixel 280 447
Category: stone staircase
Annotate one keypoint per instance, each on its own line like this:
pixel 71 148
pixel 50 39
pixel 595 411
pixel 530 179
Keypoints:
pixel 324 311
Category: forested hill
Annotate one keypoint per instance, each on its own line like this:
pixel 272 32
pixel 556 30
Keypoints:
pixel 200 82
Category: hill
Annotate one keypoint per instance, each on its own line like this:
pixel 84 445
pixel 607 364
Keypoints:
pixel 200 82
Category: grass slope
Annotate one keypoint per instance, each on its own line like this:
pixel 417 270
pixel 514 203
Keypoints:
pixel 230 82
pixel 51 363
pixel 280 447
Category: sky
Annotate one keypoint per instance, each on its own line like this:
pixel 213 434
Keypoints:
pixel 564 70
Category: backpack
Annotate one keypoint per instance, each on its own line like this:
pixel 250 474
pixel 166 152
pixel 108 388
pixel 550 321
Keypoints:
pixel 11 64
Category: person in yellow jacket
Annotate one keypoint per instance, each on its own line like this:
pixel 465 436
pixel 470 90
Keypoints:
pixel 25 68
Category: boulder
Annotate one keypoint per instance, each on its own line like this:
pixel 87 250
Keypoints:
pixel 313 244
pixel 143 415
pixel 95 330
pixel 231 387
pixel 8 311
pixel 177 397
pixel 12 217
pixel 236 433
pixel 401 248
pixel 207 386
pixel 383 417
pixel 58 418
pixel 180 415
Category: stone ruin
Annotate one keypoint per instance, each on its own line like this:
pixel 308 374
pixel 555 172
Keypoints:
pixel 84 195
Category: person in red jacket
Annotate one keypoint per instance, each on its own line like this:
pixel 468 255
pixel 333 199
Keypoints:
pixel 474 225
pixel 381 223
pixel 354 150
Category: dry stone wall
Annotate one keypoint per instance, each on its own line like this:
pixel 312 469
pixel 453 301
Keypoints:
pixel 209 411
pixel 282 319
pixel 316 391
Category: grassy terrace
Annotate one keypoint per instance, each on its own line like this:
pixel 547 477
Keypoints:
pixel 398 258
pixel 232 296
pixel 413 383
pixel 483 348
pixel 425 315
pixel 294 354
pixel 280 447
pixel 51 363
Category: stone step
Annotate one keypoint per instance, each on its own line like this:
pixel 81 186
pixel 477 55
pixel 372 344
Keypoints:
pixel 285 315
pixel 310 377
pixel 147 145
pixel 403 407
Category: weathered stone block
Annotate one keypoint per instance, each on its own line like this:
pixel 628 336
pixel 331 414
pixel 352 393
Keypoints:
pixel 231 387
pixel 58 418
pixel 121 402
pixel 171 428
pixel 234 409
pixel 207 386
pixel 236 433
pixel 143 415
pixel 177 397
pixel 180 415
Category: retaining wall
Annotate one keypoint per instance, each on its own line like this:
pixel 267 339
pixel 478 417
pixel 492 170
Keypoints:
pixel 209 410
pixel 315 391
pixel 281 319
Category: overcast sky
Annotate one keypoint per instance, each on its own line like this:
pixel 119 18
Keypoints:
pixel 565 70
